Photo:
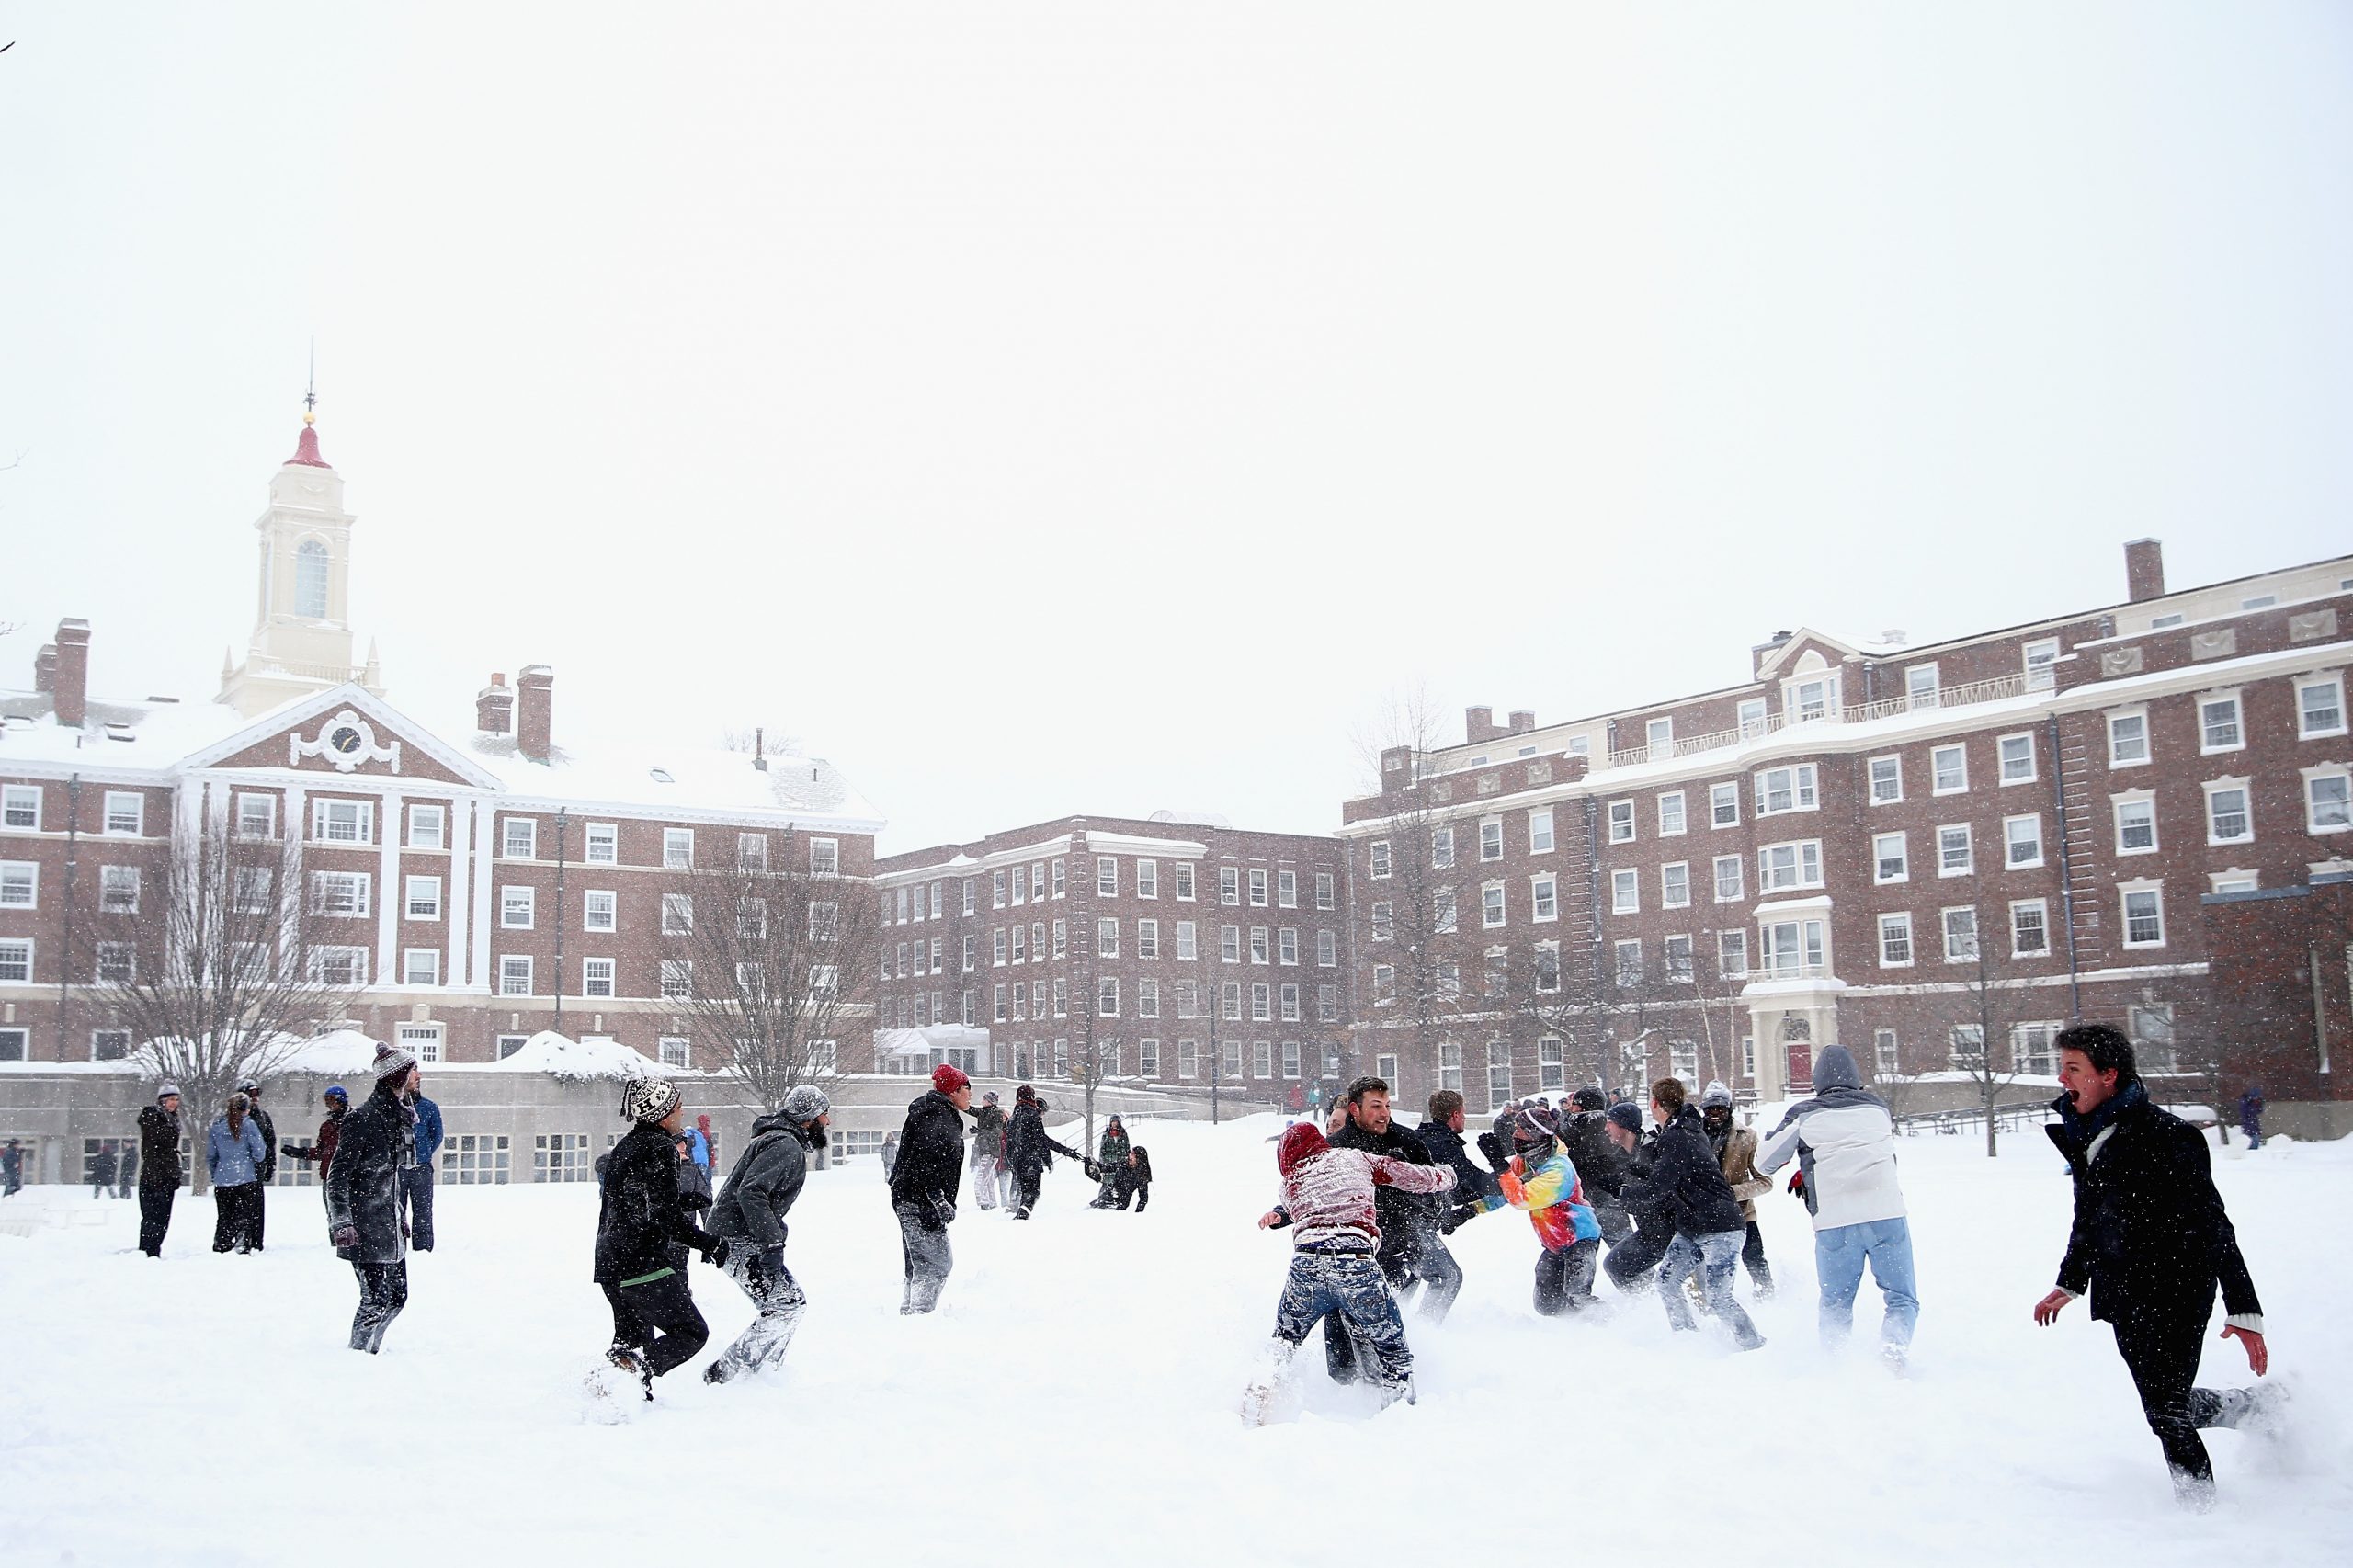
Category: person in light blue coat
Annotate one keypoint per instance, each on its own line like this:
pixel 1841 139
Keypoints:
pixel 417 1181
pixel 233 1154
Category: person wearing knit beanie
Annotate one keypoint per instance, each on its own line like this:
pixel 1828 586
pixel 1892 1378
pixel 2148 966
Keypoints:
pixel 925 1184
pixel 947 1078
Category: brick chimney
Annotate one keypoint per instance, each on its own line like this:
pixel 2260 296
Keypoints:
pixel 1478 724
pixel 1522 721
pixel 45 668
pixel 2144 569
pixel 72 691
pixel 494 707
pixel 534 711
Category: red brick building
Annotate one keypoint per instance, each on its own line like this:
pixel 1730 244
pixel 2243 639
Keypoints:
pixel 1934 855
pixel 479 881
pixel 1171 944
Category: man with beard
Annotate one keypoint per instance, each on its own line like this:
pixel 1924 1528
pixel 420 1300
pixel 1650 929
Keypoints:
pixel 1409 1247
pixel 749 1217
pixel 1735 1148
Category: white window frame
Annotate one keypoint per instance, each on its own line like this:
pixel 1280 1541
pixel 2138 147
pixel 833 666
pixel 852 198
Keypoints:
pixel 129 807
pixel 1540 838
pixel 1621 822
pixel 17 952
pixel 1543 898
pixel 1492 911
pixel 118 890
pixel 2133 800
pixel 428 959
pixel 2004 775
pixel 515 830
pixel 2336 773
pixel 361 889
pixel 20 884
pixel 826 861
pixel 2207 746
pixel 1945 931
pixel 1626 890
pixel 1723 803
pixel 2153 890
pixel 591 906
pixel 1922 686
pixel 2010 860
pixel 2115 717
pixel 326 812
pixel 1670 897
pixel 1805 788
pixel 1880 875
pixel 1672 817
pixel 2245 788
pixel 1491 839
pixel 1936 755
pixel 1738 866
pixel 257 815
pixel 514 975
pixel 600 971
pixel 424 837
pixel 1946 865
pixel 2333 681
pixel 1895 765
pixel 2041 909
pixel 513 895
pixel 1805 865
pixel 1378 860
pixel 678 849
pixel 2039 661
pixel 1897 924
pixel 24 800
pixel 431 900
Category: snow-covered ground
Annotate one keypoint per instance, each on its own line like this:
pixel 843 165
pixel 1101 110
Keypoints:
pixel 1074 1400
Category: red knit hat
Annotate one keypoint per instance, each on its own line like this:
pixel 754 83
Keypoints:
pixel 947 1078
pixel 1302 1140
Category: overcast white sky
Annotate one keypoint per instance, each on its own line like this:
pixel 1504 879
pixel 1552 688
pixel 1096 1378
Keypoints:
pixel 1039 409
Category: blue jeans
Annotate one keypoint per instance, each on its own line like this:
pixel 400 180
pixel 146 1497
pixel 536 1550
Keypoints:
pixel 1349 1287
pixel 1839 1253
pixel 1713 1257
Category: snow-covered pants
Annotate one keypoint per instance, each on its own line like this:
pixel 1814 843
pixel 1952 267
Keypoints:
pixel 1004 1184
pixel 1349 1287
pixel 1564 1278
pixel 2161 1347
pixel 779 1298
pixel 1712 1256
pixel 1440 1276
pixel 383 1291
pixel 659 1301
pixel 923 1241
pixel 985 1180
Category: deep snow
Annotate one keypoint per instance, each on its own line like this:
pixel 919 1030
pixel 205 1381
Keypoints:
pixel 1074 1399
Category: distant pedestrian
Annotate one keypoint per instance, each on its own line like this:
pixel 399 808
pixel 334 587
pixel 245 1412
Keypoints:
pixel 1029 1150
pixel 1687 1182
pixel 925 1182
pixel 320 1150
pixel 101 1169
pixel 159 1166
pixel 417 1182
pixel 126 1169
pixel 1844 1142
pixel 376 1146
pixel 889 1155
pixel 988 1150
pixel 251 1089
pixel 749 1217
pixel 2151 1243
pixel 694 1193
pixel 1735 1148
pixel 12 1169
pixel 2251 1115
pixel 656 1327
pixel 233 1157
pixel 1110 1154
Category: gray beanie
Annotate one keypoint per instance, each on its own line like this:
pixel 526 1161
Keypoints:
pixel 805 1102
pixel 1715 1094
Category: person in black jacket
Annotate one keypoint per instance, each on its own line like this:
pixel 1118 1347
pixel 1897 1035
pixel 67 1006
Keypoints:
pixel 1410 1250
pixel 1111 1156
pixel 256 1215
pixel 656 1328
pixel 1601 1168
pixel 363 1199
pixel 1441 1133
pixel 1133 1180
pixel 1030 1151
pixel 1687 1182
pixel 925 1184
pixel 749 1217
pixel 159 1166
pixel 2151 1243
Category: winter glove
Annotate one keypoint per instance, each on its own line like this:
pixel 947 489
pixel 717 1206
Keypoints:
pixel 1094 1171
pixel 716 1253
pixel 942 1210
pixel 1797 1184
pixel 1491 1145
pixel 343 1237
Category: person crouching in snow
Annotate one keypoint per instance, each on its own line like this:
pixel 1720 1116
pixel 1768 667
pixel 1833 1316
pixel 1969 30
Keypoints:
pixel 1327 1203
pixel 639 1218
pixel 749 1218
pixel 1133 1179
pixel 1542 1180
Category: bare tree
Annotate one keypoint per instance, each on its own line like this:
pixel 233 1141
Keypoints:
pixel 1415 880
pixel 1985 1011
pixel 225 972
pixel 770 961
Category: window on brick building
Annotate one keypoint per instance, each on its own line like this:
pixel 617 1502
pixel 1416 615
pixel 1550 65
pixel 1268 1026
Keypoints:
pixel 1948 769
pixel 1896 941
pixel 2030 928
pixel 2128 738
pixel 2219 726
pixel 1730 874
pixel 1887 780
pixel 2228 818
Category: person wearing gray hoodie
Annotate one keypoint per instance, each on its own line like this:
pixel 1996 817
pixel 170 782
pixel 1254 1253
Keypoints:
pixel 1844 1140
pixel 749 1216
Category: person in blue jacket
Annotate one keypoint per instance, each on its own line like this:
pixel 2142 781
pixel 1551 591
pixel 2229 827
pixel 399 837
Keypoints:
pixel 233 1153
pixel 417 1181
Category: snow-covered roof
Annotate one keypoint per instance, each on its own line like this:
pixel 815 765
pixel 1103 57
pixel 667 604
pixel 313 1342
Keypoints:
pixel 152 734
pixel 923 1042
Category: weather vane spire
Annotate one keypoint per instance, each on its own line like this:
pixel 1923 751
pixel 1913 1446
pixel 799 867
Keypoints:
pixel 310 389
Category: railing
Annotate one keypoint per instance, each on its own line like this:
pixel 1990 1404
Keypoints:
pixel 1996 690
pixel 2006 1118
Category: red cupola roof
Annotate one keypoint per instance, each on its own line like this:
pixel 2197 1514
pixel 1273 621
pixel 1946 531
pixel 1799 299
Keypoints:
pixel 306 450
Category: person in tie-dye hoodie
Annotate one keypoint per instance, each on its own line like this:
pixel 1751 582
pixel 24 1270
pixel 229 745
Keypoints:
pixel 1540 1180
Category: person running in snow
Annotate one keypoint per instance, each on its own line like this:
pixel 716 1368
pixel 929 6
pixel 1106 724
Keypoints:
pixel 232 1156
pixel 925 1182
pixel 1686 1181
pixel 749 1217
pixel 1735 1148
pixel 159 1166
pixel 2251 1115
pixel 656 1328
pixel 988 1150
pixel 1845 1143
pixel 417 1182
pixel 1542 1180
pixel 322 1148
pixel 256 1215
pixel 376 1145
pixel 1328 1201
pixel 1636 1254
pixel 1110 1154
pixel 2151 1243
pixel 1030 1151
pixel 1409 1248
pixel 1133 1180
pixel 1441 1133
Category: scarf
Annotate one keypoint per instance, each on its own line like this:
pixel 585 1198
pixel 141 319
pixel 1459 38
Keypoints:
pixel 2082 1129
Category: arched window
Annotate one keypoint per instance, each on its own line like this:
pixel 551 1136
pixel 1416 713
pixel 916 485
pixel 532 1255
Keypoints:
pixel 310 579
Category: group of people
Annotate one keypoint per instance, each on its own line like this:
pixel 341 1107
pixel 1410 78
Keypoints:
pixel 1370 1206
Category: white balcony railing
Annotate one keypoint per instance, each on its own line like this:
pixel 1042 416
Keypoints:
pixel 1994 690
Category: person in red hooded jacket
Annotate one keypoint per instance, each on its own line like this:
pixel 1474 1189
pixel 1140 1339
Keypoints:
pixel 1328 1204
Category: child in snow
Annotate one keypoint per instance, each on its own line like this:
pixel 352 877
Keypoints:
pixel 1328 1202
pixel 1133 1179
